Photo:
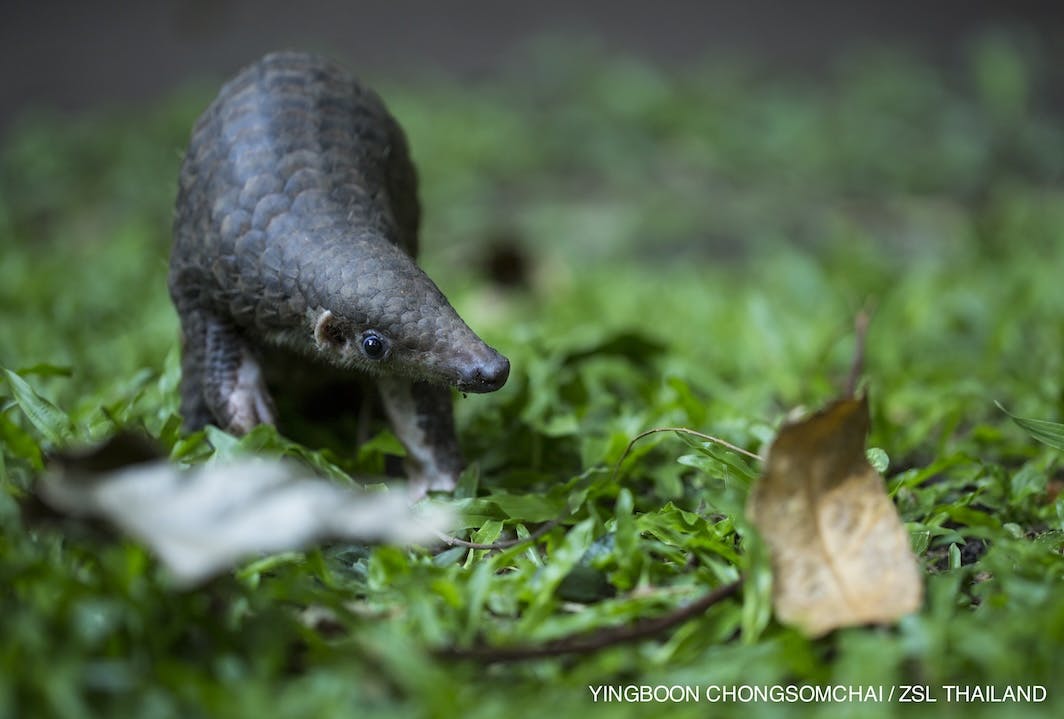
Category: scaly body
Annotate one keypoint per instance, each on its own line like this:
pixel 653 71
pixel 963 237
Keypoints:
pixel 295 231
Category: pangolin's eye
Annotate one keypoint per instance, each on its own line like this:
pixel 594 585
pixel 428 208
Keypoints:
pixel 373 346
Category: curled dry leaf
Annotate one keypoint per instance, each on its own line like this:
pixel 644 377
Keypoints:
pixel 202 521
pixel 840 553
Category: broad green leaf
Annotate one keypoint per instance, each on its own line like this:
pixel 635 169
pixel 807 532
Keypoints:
pixel 757 587
pixel 478 588
pixel 1029 481
pixel 44 369
pixel 1046 432
pixel 562 560
pixel 20 443
pixel 626 542
pixel 226 446
pixel 526 507
pixel 49 420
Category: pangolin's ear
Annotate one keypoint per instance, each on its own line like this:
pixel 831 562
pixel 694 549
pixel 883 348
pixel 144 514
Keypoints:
pixel 329 332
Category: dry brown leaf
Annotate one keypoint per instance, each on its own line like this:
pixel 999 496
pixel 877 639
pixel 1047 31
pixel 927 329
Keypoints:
pixel 840 553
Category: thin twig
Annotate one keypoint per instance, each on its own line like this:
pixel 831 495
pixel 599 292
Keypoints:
pixel 860 329
pixel 505 543
pixel 594 641
pixel 681 430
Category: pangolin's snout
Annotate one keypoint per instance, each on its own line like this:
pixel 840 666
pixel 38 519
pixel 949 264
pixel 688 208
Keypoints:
pixel 484 374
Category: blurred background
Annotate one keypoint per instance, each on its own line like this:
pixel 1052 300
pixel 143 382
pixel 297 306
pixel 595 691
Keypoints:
pixel 75 55
pixel 733 123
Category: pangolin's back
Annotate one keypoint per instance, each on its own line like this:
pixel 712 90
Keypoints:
pixel 291 169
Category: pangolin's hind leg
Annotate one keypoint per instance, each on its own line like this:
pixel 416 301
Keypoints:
pixel 422 417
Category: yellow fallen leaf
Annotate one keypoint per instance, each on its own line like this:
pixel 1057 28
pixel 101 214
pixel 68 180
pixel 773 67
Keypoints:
pixel 840 553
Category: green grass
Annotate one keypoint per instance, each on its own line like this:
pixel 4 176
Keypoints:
pixel 699 242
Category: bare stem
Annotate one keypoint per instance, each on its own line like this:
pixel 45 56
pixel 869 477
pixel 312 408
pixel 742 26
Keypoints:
pixel 682 430
pixel 505 543
pixel 860 329
pixel 594 641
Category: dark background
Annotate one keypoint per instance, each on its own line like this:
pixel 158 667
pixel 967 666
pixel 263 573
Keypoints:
pixel 70 55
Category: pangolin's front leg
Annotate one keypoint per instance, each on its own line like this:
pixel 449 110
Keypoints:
pixel 422 417
pixel 222 380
